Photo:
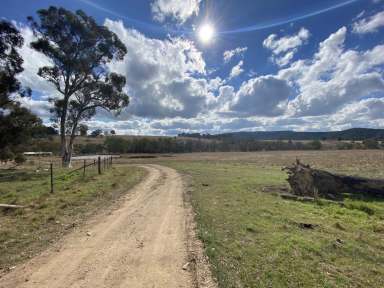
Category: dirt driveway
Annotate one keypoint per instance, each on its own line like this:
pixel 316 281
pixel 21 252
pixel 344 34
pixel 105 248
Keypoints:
pixel 140 244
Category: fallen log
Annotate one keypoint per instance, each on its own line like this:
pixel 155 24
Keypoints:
pixel 305 181
pixel 11 206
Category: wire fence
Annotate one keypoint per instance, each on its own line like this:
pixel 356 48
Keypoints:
pixel 102 163
pixel 42 168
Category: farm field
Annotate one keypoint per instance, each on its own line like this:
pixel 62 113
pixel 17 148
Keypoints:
pixel 48 216
pixel 254 238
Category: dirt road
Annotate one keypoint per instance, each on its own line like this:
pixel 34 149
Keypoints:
pixel 141 244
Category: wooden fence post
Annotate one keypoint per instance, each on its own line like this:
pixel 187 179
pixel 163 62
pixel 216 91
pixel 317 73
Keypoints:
pixel 85 162
pixel 99 164
pixel 51 168
pixel 111 160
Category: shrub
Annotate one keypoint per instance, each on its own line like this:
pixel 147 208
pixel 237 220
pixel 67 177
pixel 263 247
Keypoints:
pixel 20 159
pixel 6 155
pixel 315 144
pixel 371 144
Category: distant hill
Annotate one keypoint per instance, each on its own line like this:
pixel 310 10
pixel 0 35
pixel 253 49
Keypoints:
pixel 349 134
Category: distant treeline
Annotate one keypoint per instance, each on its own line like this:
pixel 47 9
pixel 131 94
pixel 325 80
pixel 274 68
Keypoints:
pixel 354 134
pixel 121 145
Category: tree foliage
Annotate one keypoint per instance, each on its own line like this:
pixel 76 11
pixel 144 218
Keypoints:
pixel 16 122
pixel 10 61
pixel 83 130
pixel 96 132
pixel 79 49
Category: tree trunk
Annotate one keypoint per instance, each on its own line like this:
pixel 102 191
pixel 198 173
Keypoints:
pixel 70 148
pixel 306 181
pixel 64 147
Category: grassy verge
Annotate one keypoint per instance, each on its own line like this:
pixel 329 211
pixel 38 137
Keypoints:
pixel 25 232
pixel 255 239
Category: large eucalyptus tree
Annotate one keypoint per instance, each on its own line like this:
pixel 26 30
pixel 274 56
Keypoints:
pixel 79 50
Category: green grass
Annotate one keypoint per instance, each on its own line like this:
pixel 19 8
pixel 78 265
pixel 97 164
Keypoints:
pixel 25 232
pixel 254 239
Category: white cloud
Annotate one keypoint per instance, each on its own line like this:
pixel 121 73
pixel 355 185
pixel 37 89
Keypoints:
pixel 4 112
pixel 236 70
pixel 284 48
pixel 370 24
pixel 177 10
pixel 165 78
pixel 334 77
pixel 363 111
pixel 284 60
pixel 261 96
pixel 33 60
pixel 171 90
pixel 229 54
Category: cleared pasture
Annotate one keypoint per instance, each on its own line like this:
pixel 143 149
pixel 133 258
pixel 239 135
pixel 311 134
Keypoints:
pixel 254 238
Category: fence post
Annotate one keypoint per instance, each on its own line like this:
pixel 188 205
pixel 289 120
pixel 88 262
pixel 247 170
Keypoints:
pixel 111 160
pixel 99 164
pixel 51 168
pixel 85 161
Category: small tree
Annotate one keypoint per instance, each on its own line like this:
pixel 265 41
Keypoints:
pixel 6 154
pixel 371 144
pixel 96 132
pixel 79 49
pixel 113 132
pixel 20 159
pixel 83 129
pixel 315 145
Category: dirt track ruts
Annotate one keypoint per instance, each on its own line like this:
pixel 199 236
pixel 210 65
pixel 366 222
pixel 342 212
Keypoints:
pixel 141 244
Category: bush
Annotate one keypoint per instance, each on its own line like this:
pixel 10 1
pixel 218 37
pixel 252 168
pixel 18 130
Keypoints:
pixel 315 144
pixel 91 148
pixel 20 159
pixel 371 144
pixel 116 145
pixel 6 155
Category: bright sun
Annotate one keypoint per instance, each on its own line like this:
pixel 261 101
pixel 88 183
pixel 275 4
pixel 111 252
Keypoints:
pixel 206 32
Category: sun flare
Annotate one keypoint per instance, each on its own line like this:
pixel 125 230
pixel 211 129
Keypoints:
pixel 206 33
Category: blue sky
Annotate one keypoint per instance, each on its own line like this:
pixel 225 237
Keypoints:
pixel 270 64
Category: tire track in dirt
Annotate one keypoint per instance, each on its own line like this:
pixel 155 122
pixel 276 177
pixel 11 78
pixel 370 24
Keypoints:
pixel 141 244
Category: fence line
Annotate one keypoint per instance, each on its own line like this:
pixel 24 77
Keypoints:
pixel 50 169
pixel 107 163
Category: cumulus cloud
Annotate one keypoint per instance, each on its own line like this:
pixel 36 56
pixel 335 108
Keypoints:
pixel 236 70
pixel 261 96
pixel 284 48
pixel 229 54
pixel 33 60
pixel 165 78
pixel 334 77
pixel 177 10
pixel 172 92
pixel 370 24
pixel 364 110
pixel 42 89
